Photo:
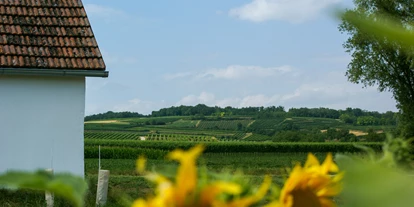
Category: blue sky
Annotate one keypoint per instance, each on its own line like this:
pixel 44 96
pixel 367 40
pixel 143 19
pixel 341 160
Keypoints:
pixel 225 53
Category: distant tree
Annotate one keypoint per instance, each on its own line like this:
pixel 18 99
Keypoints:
pixel 113 115
pixel 346 118
pixel 365 120
pixel 373 136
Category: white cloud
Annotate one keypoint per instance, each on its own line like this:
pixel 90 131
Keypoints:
pixel 258 100
pixel 211 100
pixel 99 11
pixel 240 72
pixel 338 95
pixel 294 11
pixel 140 106
pixel 204 97
pixel 234 72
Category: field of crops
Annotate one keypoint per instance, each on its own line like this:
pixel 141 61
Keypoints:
pixel 312 123
pixel 113 135
pixel 166 120
pixel 179 137
pixel 183 123
pixel 266 123
pixel 223 124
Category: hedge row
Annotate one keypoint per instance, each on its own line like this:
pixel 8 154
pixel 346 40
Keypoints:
pixel 124 153
pixel 230 147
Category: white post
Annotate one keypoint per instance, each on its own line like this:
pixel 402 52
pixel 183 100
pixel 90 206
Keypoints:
pixel 49 196
pixel 102 191
pixel 99 157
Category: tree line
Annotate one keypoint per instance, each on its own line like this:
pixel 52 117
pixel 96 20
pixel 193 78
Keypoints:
pixel 113 115
pixel 354 116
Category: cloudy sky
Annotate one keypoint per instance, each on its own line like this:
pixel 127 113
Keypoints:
pixel 237 53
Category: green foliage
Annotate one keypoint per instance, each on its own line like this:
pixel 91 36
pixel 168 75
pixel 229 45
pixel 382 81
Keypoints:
pixel 370 184
pixel 366 120
pixel 113 115
pixel 378 181
pixel 373 136
pixel 315 112
pixel 67 186
pixel 400 150
pixel 381 44
pixel 348 119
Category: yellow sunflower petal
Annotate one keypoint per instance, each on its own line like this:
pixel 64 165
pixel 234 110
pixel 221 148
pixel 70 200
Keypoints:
pixel 311 161
pixel 328 165
pixel 247 201
pixel 209 193
pixel 294 178
pixel 186 178
pixel 319 182
pixel 338 177
pixel 326 203
pixel 157 178
pixel 140 164
pixel 274 204
pixel 330 191
pixel 139 203
pixel 311 184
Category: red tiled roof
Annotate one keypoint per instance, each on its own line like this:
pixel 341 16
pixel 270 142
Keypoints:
pixel 47 34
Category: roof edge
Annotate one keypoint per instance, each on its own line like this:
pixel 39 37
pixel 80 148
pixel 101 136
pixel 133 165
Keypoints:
pixel 54 72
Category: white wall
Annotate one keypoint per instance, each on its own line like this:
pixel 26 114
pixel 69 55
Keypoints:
pixel 41 123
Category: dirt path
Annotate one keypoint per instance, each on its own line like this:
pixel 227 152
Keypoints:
pixel 251 123
pixel 247 135
pixel 102 122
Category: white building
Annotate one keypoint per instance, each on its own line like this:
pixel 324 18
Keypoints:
pixel 47 49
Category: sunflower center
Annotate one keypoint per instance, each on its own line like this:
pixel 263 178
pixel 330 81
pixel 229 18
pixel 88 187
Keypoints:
pixel 305 198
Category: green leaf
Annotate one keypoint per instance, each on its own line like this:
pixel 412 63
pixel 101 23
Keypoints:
pixel 380 26
pixel 373 184
pixel 68 186
pixel 368 150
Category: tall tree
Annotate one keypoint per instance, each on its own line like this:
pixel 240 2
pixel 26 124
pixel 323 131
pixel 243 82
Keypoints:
pixel 383 60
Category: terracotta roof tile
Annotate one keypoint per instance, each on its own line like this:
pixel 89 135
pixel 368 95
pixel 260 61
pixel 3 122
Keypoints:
pixel 47 34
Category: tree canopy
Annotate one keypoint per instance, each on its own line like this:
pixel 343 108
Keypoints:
pixel 382 53
pixel 112 115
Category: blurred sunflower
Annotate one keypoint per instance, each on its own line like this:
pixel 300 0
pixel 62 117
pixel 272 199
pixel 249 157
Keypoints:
pixel 311 185
pixel 186 190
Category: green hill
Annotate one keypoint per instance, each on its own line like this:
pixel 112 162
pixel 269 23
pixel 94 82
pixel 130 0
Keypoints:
pixel 243 128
